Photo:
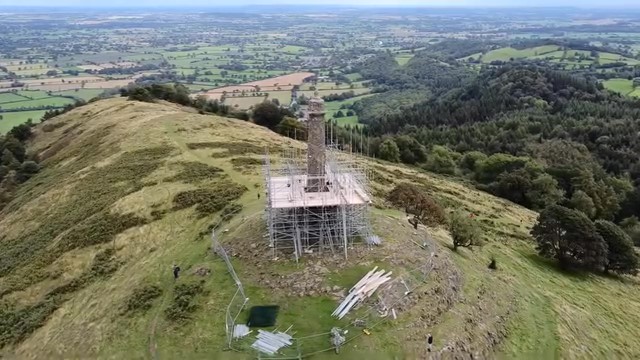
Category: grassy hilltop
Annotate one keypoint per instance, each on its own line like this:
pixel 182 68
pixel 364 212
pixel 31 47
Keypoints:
pixel 128 189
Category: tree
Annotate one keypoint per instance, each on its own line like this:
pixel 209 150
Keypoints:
pixel 465 232
pixel 416 202
pixel 267 114
pixel 470 161
pixel 583 202
pixel 570 237
pixel 631 226
pixel 7 159
pixel 15 147
pixel 621 257
pixel 27 170
pixel 544 192
pixel 440 160
pixel 338 114
pixel 389 150
pixel 140 94
pixel 21 132
pixel 292 128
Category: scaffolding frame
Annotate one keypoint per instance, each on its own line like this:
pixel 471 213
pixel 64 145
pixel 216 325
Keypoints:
pixel 302 222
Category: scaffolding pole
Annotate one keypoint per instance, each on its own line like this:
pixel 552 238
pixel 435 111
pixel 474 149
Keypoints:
pixel 300 221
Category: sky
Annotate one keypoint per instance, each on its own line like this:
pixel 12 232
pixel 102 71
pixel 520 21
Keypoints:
pixel 426 3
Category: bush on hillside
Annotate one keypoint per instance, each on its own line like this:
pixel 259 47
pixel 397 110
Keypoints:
pixel 141 299
pixel 424 209
pixel 465 232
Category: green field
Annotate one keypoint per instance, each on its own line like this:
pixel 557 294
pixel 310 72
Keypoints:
pixel 26 104
pixel 332 107
pixel 11 119
pixel 10 97
pixel 34 94
pixel 623 86
pixel 402 59
pixel 505 54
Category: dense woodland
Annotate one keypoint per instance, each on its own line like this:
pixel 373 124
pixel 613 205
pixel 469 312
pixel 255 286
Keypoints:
pixel 528 133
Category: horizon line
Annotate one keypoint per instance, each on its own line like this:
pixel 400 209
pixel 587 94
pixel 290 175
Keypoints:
pixel 330 5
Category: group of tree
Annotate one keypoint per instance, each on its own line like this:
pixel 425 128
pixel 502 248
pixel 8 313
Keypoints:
pixel 339 97
pixel 280 119
pixel 179 94
pixel 575 241
pixel 423 209
pixel 16 166
pixel 554 138
pixel 340 114
pixel 557 141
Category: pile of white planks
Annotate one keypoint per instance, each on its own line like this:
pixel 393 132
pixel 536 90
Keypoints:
pixel 240 331
pixel 270 342
pixel 362 290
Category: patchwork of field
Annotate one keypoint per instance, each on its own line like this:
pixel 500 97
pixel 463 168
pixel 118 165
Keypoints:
pixel 553 53
pixel 17 107
pixel 507 53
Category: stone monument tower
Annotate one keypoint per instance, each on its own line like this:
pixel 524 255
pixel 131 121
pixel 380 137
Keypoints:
pixel 316 146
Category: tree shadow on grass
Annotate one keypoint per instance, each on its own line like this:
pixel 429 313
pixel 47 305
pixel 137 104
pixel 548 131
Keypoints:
pixel 552 265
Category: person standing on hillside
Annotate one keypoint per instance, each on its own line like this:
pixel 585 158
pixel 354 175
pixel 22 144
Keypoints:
pixel 429 342
pixel 176 271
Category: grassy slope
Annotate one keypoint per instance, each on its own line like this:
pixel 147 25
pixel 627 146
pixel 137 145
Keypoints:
pixel 543 312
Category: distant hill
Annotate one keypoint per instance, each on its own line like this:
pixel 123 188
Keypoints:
pixel 128 189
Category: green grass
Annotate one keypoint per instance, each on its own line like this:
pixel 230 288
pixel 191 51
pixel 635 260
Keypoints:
pixel 292 49
pixel 26 104
pixel 333 106
pixel 34 94
pixel 544 312
pixel 623 86
pixel 504 54
pixel 10 97
pixel 11 119
pixel 354 76
pixel 403 59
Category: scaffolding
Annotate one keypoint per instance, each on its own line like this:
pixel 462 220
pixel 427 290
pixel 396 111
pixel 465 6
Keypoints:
pixel 302 221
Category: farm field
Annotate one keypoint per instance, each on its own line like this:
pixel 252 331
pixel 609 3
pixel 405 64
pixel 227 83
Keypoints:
pixel 52 101
pixel 331 107
pixel 504 54
pixel 623 86
pixel 402 59
pixel 11 119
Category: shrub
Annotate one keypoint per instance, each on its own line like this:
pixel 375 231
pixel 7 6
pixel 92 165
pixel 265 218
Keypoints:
pixel 211 199
pixel 493 265
pixel 194 172
pixel 141 299
pixel 465 232
pixel 183 304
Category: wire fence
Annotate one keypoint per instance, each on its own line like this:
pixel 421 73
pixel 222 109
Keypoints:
pixel 390 297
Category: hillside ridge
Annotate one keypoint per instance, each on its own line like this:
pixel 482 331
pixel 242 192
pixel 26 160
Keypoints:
pixel 128 189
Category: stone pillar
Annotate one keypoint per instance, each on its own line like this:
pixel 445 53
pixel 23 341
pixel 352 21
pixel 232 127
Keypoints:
pixel 315 145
